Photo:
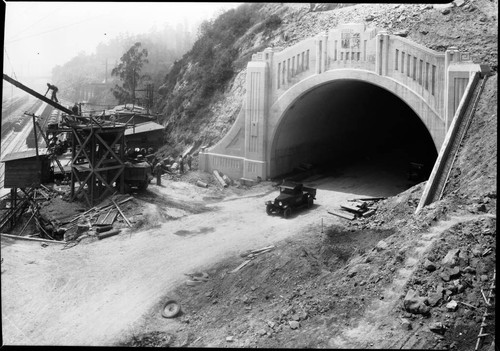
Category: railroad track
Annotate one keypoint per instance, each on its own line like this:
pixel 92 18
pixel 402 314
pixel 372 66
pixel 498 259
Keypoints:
pixel 16 141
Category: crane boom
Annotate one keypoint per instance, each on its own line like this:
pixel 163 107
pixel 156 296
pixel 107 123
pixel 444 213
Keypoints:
pixel 37 95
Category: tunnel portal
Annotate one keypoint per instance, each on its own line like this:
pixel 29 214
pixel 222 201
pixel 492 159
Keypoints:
pixel 347 122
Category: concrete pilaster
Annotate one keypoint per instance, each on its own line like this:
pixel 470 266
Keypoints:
pixel 452 55
pixel 256 119
pixel 318 54
pixel 324 56
pixel 382 52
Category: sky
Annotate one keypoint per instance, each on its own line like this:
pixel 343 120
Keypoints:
pixel 41 35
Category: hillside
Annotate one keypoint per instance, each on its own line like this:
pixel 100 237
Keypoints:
pixel 204 90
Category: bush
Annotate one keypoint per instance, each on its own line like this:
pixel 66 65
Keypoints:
pixel 271 23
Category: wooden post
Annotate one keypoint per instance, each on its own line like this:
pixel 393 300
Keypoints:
pixel 91 163
pixel 35 135
pixel 73 154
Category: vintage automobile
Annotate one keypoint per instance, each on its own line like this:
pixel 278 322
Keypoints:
pixel 292 196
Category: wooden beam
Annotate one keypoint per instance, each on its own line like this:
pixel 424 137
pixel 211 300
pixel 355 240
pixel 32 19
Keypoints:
pixel 345 215
pixel 121 213
pixel 37 95
pixel 31 239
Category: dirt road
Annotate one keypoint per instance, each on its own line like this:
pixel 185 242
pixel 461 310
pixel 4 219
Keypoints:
pixel 92 293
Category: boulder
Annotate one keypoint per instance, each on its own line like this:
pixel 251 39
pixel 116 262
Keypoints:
pixel 429 265
pixel 261 332
pixel 406 324
pixel 445 276
pixel 434 298
pixel 454 272
pixel 451 258
pixel 437 327
pixel 402 33
pixel 452 306
pixel 469 270
pixel 382 245
pixel 414 303
pixel 294 324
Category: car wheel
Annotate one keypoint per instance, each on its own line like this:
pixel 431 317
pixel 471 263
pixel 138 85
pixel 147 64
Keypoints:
pixel 269 209
pixel 170 309
pixel 287 212
pixel 143 185
pixel 310 202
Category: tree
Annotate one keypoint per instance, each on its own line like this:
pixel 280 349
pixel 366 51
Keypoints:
pixel 129 72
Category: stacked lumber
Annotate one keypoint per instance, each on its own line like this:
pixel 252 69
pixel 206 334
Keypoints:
pixel 364 207
pixel 99 219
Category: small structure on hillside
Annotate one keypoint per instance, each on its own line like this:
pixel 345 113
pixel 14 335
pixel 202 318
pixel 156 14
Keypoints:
pixel 26 169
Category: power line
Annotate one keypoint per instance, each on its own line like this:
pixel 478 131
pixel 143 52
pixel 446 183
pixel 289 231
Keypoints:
pixel 11 66
pixel 16 36
pixel 55 29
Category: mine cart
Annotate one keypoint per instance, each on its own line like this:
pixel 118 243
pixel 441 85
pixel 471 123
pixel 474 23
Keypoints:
pixel 138 174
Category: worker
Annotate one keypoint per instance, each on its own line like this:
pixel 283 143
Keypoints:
pixel 181 164
pixel 54 89
pixel 158 171
pixel 75 109
pixel 189 159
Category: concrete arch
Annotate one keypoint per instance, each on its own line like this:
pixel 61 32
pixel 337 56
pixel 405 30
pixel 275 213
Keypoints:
pixel 277 112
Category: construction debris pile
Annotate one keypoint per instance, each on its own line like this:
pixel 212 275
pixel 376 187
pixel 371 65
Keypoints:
pixel 357 208
pixel 32 202
pixel 98 221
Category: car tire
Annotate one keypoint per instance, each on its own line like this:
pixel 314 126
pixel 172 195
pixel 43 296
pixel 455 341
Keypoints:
pixel 143 185
pixel 287 212
pixel 170 309
pixel 269 209
pixel 310 202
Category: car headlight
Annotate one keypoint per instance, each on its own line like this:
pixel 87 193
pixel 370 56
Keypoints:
pixel 280 203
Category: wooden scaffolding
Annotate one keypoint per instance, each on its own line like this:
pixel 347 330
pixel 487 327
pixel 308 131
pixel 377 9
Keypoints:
pixel 97 167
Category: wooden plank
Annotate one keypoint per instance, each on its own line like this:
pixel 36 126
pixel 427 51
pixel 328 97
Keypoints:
pixel 111 218
pixel 121 213
pixel 369 199
pixel 102 218
pixel 37 95
pixel 31 239
pixel 240 266
pixel 354 209
pixel 368 213
pixel 263 249
pixel 345 215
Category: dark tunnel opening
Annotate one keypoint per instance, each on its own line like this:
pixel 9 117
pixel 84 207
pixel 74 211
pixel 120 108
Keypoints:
pixel 349 122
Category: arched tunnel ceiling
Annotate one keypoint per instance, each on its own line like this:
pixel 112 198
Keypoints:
pixel 348 120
